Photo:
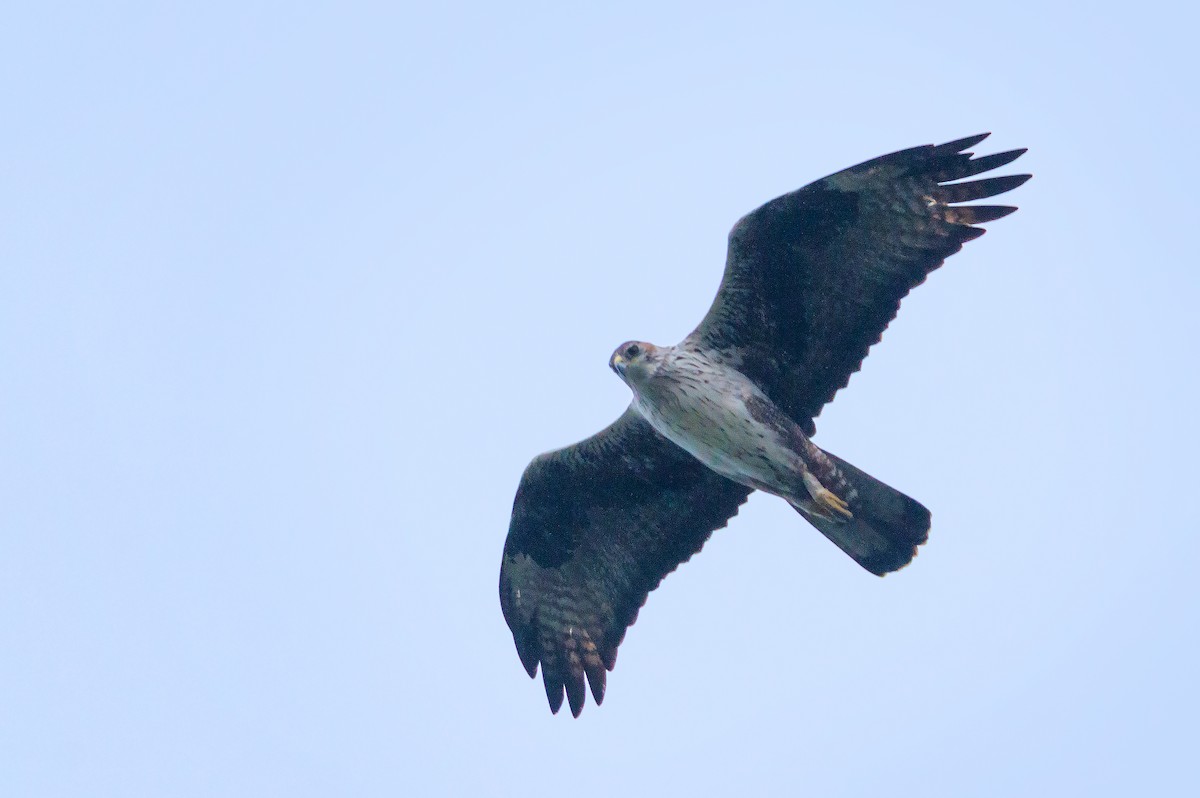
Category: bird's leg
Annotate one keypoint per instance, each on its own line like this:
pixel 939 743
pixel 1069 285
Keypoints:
pixel 827 502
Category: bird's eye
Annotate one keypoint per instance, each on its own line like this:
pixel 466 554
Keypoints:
pixel 632 350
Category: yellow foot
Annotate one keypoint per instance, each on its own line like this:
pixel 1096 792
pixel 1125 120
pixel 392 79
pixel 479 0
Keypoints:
pixel 830 504
pixel 825 502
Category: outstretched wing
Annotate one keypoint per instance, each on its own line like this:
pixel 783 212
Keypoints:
pixel 813 278
pixel 595 527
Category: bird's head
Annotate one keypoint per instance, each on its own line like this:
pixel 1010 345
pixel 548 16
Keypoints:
pixel 635 362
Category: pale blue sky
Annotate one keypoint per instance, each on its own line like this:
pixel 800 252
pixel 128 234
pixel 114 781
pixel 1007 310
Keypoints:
pixel 290 297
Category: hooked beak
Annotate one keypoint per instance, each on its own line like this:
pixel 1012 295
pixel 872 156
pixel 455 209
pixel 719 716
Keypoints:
pixel 617 363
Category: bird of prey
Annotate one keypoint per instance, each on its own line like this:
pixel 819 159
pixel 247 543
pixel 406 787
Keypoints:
pixel 811 281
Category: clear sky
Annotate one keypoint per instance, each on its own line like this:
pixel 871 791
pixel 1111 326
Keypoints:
pixel 289 296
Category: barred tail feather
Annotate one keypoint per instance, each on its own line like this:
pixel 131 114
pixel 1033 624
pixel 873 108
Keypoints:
pixel 887 526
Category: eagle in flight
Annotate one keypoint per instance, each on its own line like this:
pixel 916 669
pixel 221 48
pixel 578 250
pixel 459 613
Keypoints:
pixel 811 281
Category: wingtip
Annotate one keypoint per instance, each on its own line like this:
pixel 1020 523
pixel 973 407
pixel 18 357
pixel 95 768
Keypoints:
pixel 527 652
pixel 576 693
pixel 554 691
pixel 597 693
pixel 958 145
pixel 983 163
pixel 597 680
pixel 990 213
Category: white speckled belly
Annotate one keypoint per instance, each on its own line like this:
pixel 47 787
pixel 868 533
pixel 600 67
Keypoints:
pixel 704 412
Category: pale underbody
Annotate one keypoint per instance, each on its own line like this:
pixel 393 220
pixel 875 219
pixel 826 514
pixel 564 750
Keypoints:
pixel 703 408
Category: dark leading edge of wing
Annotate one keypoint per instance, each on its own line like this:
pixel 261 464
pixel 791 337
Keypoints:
pixel 595 527
pixel 814 277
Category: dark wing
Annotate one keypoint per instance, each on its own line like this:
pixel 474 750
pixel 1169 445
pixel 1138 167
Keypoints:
pixel 813 278
pixel 595 527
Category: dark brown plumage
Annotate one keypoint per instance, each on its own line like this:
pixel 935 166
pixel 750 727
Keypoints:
pixel 595 528
pixel 814 277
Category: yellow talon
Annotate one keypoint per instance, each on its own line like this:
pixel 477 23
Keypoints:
pixel 829 501
pixel 826 502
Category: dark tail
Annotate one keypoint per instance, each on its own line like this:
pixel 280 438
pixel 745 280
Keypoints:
pixel 887 526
